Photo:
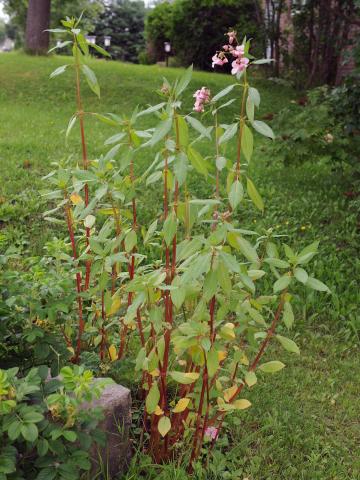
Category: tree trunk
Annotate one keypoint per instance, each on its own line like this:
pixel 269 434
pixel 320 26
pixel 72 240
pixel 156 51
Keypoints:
pixel 38 20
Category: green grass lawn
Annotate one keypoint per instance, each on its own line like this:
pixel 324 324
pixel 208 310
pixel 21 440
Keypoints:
pixel 304 424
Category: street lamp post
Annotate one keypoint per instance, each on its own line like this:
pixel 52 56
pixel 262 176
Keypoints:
pixel 167 48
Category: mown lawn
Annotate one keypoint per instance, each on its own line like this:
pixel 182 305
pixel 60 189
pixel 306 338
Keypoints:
pixel 304 424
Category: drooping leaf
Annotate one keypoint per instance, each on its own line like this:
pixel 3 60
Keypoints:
pixel 288 315
pixel 58 71
pixel 197 161
pixel 229 133
pixel 247 142
pixel 164 425
pixel 263 129
pixel 236 194
pixel 250 378
pixel 91 79
pixel 282 283
pixel 288 344
pixel 161 130
pixel 181 405
pixel 169 229
pixel 255 96
pixel 184 378
pixel 254 195
pixel 152 398
pixel 316 285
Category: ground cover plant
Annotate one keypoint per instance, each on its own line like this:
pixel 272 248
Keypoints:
pixel 221 467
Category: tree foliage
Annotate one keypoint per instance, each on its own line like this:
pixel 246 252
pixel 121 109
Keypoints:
pixel 123 20
pixel 196 27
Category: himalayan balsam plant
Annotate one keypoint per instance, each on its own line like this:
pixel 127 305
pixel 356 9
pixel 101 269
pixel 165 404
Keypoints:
pixel 193 297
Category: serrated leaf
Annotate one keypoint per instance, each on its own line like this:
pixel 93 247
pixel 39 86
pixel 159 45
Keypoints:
pixel 164 426
pixel 254 195
pixel 255 96
pixel 229 133
pixel 276 262
pixel 91 79
pixel 184 81
pixel 316 285
pixel 169 228
pixel 263 129
pixel 247 142
pixel 271 367
pixel 58 71
pixel 223 92
pixel 236 194
pixel 197 161
pixel 288 344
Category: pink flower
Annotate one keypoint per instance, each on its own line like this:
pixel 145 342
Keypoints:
pixel 239 65
pixel 232 36
pixel 238 51
pixel 226 47
pixel 202 96
pixel 218 61
pixel 211 433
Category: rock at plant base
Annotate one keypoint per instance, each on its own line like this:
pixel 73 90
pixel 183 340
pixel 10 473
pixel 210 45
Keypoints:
pixel 115 402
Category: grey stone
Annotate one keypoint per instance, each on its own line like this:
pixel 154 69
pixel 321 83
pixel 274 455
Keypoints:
pixel 112 459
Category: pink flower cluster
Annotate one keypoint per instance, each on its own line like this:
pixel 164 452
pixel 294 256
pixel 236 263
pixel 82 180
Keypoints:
pixel 240 63
pixel 211 433
pixel 202 96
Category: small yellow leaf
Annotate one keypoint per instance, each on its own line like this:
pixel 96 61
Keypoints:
pixel 242 404
pixel 71 350
pixel 116 304
pixel 76 199
pixel 221 355
pixel 218 385
pixel 155 372
pixel 112 353
pixel 181 405
pixel 164 426
pixel 158 411
pixel 244 359
pixel 230 392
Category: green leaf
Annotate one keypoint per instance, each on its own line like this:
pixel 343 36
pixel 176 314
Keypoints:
pixel 162 129
pixel 212 362
pixel 250 109
pixel 276 262
pixel 271 367
pixel 115 138
pixel 151 231
pixel 130 241
pixel 14 430
pixel 220 163
pixel 83 44
pixel 99 49
pixel 229 133
pixel 223 92
pixel 245 247
pixel 178 293
pixel 182 130
pixel 254 195
pixel 255 96
pixel 247 142
pixel 301 275
pixel 152 399
pixel 69 435
pixel 58 71
pixel 197 161
pixel 154 177
pixel 308 253
pixel 169 229
pixel 164 425
pixel 236 194
pixel 29 432
pixel 181 167
pixel 263 129
pixel 198 126
pixel 42 447
pixel 32 417
pixel 262 61
pixel 151 109
pixel 184 81
pixel 316 285
pixel 91 79
pixel 210 285
pixel 288 344
pixel 288 315
pixel 184 378
pixel 250 378
pixel 282 283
